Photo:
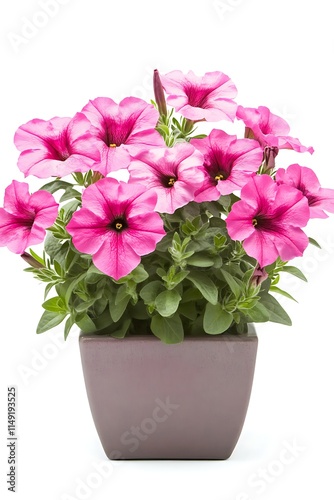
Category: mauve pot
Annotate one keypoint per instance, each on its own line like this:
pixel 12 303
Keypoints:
pixel 150 400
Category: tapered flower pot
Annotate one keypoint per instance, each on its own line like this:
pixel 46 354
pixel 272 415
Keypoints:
pixel 150 400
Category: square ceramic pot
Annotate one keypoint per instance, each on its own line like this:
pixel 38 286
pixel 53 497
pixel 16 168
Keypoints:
pixel 150 400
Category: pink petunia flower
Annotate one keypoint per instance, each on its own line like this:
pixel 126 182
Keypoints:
pixel 116 225
pixel 268 219
pixel 269 129
pixel 228 162
pixel 304 179
pixel 175 174
pixel 120 130
pixel 25 217
pixel 57 147
pixel 207 97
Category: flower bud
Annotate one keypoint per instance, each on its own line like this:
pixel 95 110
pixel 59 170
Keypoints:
pixel 29 259
pixel 269 155
pixel 259 275
pixel 159 93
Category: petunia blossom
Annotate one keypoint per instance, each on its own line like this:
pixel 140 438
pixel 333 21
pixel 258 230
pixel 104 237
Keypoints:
pixel 268 219
pixel 269 129
pixel 228 163
pixel 209 97
pixel 25 217
pixel 116 225
pixel 304 179
pixel 57 147
pixel 175 174
pixel 120 130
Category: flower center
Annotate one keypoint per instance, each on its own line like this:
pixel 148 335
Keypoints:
pixel 113 145
pixel 254 222
pixel 118 224
pixel 219 177
pixel 168 181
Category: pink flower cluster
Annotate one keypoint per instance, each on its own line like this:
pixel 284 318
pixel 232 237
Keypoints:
pixel 120 222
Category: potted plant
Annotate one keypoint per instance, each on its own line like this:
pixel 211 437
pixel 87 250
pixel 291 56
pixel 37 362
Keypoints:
pixel 166 271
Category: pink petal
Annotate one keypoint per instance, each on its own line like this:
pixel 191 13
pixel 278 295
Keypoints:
pixel 291 243
pixel 259 192
pixel 17 197
pixel 239 221
pixel 115 257
pixel 291 205
pixel 287 142
pixel 261 246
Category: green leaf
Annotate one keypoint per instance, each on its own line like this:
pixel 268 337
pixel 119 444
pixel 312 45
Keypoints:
pixel 69 194
pixel 188 310
pixel 71 286
pixel 314 242
pixel 282 292
pixel 216 319
pixel 58 268
pixel 172 282
pixel 191 295
pixel 150 291
pixel 37 257
pixel 122 331
pixel 49 320
pixel 258 313
pixel 55 304
pixel 93 275
pixel 295 271
pixel 139 311
pixel 69 209
pixel 55 186
pixel 85 305
pixel 167 302
pixel 276 311
pixel 232 283
pixel 169 330
pixel 48 288
pixel 85 323
pixel 200 136
pixel 138 275
pixel 56 249
pixel 117 310
pixel 122 293
pixel 200 260
pixel 205 285
pixel 68 325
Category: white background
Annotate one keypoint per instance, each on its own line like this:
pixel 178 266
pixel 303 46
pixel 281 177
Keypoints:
pixel 279 54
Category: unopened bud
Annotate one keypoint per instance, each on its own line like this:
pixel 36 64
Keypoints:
pixel 29 259
pixel 269 155
pixel 259 275
pixel 159 93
